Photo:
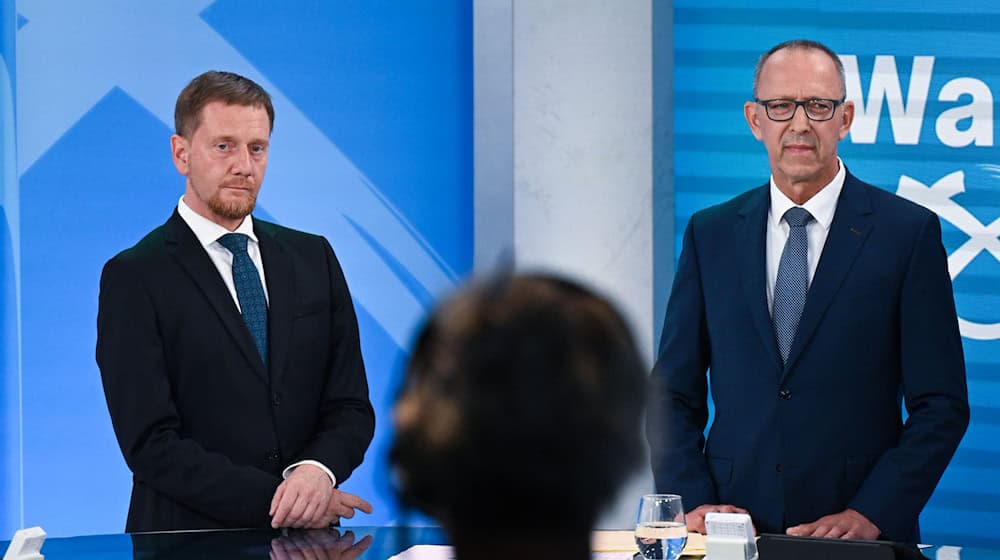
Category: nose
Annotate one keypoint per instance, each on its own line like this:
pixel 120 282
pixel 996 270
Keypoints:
pixel 800 121
pixel 241 163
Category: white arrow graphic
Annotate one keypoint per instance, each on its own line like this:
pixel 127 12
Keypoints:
pixel 77 52
pixel 938 198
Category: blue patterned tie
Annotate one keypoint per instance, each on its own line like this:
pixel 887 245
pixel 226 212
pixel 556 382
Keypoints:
pixel 793 280
pixel 249 290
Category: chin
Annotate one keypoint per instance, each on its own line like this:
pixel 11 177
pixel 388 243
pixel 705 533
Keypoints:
pixel 803 173
pixel 234 210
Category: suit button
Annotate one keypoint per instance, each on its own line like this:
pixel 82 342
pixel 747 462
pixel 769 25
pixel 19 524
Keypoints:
pixel 784 394
pixel 275 399
pixel 777 468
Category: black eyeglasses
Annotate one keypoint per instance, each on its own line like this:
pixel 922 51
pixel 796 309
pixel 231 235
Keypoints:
pixel 817 109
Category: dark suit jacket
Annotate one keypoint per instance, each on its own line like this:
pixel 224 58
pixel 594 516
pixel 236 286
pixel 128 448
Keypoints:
pixel 825 432
pixel 204 426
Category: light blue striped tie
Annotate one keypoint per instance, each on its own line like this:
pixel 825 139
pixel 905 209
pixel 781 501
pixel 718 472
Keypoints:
pixel 249 290
pixel 793 280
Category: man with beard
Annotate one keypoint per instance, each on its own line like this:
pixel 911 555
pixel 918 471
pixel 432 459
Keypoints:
pixel 818 303
pixel 228 346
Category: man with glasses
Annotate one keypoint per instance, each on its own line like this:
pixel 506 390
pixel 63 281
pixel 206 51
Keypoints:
pixel 809 308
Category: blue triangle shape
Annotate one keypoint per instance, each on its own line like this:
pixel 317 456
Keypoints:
pixel 21 21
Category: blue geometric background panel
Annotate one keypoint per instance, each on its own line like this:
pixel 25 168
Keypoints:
pixel 371 148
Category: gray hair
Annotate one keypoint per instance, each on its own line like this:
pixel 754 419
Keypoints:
pixel 806 44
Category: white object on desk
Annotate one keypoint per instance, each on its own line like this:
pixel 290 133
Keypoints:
pixel 26 545
pixel 730 537
pixel 425 552
pixel 948 553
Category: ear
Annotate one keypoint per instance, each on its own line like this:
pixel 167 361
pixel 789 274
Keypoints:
pixel 180 151
pixel 751 115
pixel 845 126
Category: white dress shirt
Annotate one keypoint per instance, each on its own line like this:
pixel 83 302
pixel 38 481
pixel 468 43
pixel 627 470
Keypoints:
pixel 822 206
pixel 208 234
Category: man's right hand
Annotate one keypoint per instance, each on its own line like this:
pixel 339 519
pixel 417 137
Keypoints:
pixel 696 518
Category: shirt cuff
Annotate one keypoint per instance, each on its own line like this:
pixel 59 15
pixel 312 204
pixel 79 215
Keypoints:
pixel 288 470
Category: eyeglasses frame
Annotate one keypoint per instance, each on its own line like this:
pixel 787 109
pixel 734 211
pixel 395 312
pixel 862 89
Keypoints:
pixel 802 103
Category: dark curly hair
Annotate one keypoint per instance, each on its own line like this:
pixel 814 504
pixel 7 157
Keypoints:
pixel 521 408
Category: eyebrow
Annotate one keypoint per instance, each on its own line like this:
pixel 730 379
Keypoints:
pixel 233 139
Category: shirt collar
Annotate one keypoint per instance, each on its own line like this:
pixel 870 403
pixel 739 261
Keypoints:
pixel 822 205
pixel 206 230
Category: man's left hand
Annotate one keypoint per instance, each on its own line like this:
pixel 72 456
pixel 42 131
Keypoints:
pixel 343 504
pixel 301 500
pixel 848 524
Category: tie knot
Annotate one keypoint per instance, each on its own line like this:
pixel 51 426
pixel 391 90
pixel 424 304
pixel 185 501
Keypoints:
pixel 235 242
pixel 797 216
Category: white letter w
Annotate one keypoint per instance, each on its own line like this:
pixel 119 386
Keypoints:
pixel 907 120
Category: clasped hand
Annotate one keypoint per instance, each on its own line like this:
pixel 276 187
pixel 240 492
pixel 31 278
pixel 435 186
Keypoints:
pixel 307 500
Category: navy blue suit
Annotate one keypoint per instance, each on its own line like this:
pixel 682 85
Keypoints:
pixel 825 432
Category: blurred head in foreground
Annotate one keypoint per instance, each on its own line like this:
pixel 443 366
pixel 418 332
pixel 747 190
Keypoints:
pixel 520 410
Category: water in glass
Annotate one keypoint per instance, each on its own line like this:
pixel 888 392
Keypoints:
pixel 660 531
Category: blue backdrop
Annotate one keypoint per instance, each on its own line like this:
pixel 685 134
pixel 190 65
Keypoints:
pixel 10 463
pixel 921 76
pixel 372 147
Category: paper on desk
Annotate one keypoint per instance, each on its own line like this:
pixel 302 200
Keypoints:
pixel 426 552
pixel 624 541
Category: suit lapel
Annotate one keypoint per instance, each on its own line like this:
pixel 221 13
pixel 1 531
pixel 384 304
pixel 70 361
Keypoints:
pixel 751 236
pixel 280 276
pixel 848 232
pixel 191 256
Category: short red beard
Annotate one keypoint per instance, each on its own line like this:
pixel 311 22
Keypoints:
pixel 232 210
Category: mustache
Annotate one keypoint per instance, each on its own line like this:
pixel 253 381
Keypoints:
pixel 239 182
pixel 798 140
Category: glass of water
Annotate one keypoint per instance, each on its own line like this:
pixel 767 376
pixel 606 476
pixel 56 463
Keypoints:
pixel 660 530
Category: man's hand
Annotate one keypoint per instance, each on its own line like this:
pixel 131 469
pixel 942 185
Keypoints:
pixel 696 519
pixel 848 524
pixel 302 500
pixel 343 504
